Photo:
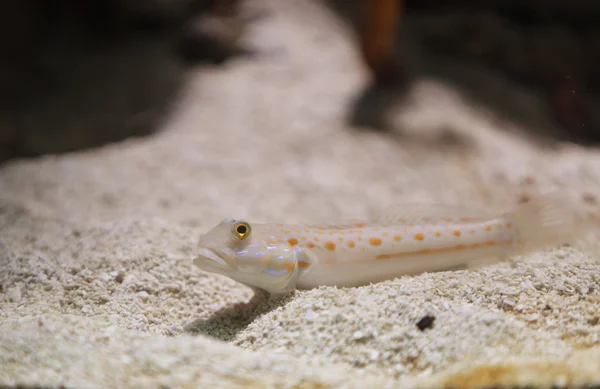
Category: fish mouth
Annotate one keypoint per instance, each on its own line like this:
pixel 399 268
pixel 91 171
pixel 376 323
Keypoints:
pixel 209 260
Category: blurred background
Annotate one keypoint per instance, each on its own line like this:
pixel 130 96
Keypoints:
pixel 75 75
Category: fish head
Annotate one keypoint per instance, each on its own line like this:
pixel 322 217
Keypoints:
pixel 255 255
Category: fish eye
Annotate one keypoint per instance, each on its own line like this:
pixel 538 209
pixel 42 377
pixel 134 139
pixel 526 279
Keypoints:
pixel 241 230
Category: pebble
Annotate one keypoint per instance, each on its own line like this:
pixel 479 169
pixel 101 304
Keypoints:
pixel 128 279
pixel 358 335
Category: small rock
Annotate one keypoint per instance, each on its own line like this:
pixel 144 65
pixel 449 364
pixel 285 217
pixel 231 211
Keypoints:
pixel 508 303
pixel 425 322
pixel 173 288
pixel 358 335
pixel 128 279
pixel 120 277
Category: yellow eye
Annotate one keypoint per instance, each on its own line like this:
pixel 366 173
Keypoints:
pixel 241 230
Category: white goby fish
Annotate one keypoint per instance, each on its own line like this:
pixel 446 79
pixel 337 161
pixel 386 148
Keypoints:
pixel 406 239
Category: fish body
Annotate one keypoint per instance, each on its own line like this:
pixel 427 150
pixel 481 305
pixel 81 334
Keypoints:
pixel 404 239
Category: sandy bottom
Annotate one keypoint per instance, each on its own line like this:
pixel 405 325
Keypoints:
pixel 98 288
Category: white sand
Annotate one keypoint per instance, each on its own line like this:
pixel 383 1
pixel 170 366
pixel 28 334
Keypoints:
pixel 98 289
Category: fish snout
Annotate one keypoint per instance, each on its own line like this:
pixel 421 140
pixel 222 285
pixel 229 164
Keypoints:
pixel 211 261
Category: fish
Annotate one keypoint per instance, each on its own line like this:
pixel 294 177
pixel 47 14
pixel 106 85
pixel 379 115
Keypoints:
pixel 402 239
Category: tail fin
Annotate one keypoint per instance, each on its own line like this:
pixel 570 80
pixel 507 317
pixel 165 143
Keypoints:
pixel 549 221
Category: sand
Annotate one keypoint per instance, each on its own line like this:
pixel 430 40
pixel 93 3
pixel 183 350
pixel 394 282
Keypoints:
pixel 98 288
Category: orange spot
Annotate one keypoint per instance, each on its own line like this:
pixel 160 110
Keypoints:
pixel 397 237
pixel 307 230
pixel 490 243
pixel 488 228
pixel 419 236
pixel 460 247
pixel 359 238
pixel 508 225
pixel 330 246
pixel 385 234
pixel 500 225
pixel 447 219
pixel 375 241
pixel 310 245
pixel 290 267
pixel 427 220
pixel 320 232
pixel 438 234
pixel 267 228
pixel 316 239
pixel 401 220
pixel 340 239
pixel 293 241
pixel 279 225
pixel 351 244
pixel 456 233
pixel 303 264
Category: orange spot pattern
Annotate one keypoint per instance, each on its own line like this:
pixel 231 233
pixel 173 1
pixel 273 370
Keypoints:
pixel 375 241
pixel 419 236
pixel 456 233
pixel 330 246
